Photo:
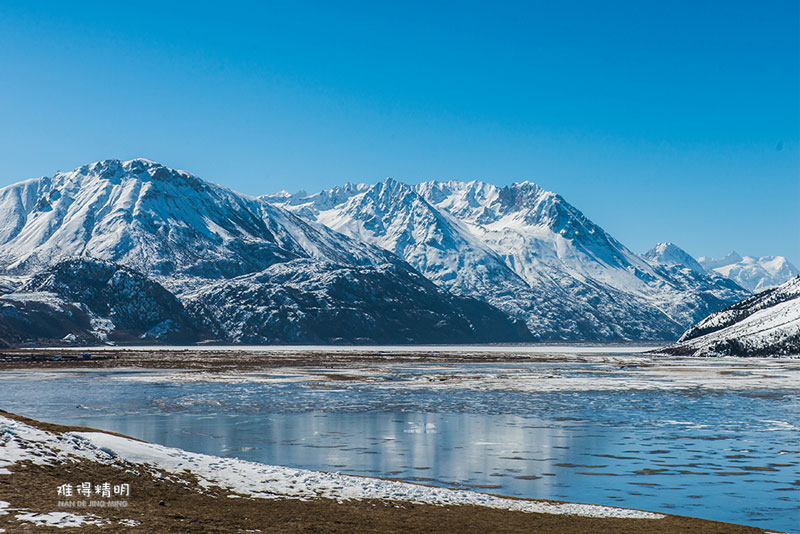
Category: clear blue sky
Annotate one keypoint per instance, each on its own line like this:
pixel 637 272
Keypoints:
pixel 662 121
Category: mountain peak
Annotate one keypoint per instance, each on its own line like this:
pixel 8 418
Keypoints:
pixel 390 189
pixel 390 184
pixel 527 185
pixel 133 166
pixel 670 254
pixel 115 171
pixel 712 263
pixel 733 256
pixel 114 165
pixel 141 161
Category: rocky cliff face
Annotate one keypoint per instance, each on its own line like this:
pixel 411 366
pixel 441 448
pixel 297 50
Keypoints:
pixel 123 305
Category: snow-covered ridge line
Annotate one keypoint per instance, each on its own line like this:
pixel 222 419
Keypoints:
pixel 528 252
pixel 19 441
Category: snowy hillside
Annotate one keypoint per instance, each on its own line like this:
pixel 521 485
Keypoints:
pixel 755 274
pixel 159 221
pixel 185 234
pixel 84 301
pixel 313 302
pixel 766 324
pixel 525 250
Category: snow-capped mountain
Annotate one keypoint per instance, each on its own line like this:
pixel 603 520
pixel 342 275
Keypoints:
pixel 394 217
pixel 766 324
pixel 188 234
pixel 539 232
pixel 671 254
pixel 755 274
pixel 159 221
pixel 525 250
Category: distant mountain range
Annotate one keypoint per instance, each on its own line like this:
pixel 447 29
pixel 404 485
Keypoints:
pixel 136 252
pixel 755 274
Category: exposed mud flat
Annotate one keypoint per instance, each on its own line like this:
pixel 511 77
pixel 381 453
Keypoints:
pixel 562 367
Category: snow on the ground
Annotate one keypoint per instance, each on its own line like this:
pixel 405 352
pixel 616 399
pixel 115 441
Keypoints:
pixel 763 328
pixel 55 519
pixel 60 519
pixel 19 441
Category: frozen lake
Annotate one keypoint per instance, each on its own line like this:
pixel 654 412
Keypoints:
pixel 717 439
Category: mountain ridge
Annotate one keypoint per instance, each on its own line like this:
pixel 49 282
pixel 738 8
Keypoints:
pixel 525 250
pixel 189 235
pixel 158 220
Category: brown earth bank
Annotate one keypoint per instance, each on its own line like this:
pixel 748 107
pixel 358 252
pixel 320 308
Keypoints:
pixel 167 503
pixel 245 359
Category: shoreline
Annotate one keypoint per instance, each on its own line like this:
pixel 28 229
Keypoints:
pixel 248 358
pixel 234 358
pixel 165 496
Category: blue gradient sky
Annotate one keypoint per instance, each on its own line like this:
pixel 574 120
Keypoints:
pixel 662 121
